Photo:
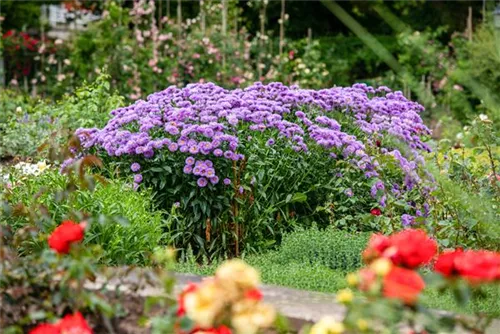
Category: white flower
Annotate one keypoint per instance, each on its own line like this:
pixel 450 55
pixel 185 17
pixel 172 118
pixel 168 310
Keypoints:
pixel 483 117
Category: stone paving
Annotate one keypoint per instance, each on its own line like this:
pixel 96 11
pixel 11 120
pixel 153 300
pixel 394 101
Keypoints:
pixel 299 306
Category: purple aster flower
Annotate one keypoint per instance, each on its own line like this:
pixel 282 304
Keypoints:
pixel 210 172
pixel 407 220
pixel 188 169
pixel 228 155
pixel 177 204
pixel 270 142
pixel 209 163
pixel 138 178
pixel 227 181
pixel 172 147
pixel 241 190
pixel 214 179
pixel 348 192
pixel 194 149
pixel 218 152
pixel 198 170
pixel 190 161
pixel 202 182
pixel 382 201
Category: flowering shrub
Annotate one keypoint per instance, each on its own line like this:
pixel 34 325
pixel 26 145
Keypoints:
pixel 391 288
pixel 269 155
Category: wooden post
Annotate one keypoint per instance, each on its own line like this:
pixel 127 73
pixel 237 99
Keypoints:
pixel 262 17
pixel 179 17
pixel 203 23
pixel 160 14
pixel 224 32
pixel 282 29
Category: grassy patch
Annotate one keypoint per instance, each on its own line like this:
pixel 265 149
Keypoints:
pixel 319 261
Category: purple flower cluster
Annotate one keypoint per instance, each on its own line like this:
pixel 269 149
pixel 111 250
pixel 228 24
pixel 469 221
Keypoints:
pixel 204 121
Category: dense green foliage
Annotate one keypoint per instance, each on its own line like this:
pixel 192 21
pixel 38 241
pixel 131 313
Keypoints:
pixel 26 124
pixel 127 227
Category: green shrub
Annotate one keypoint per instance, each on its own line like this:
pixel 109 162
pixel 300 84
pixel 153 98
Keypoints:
pixel 128 228
pixel 332 248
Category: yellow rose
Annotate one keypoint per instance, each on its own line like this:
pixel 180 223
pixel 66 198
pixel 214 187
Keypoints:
pixel 362 324
pixel 345 296
pixel 352 279
pixel 249 317
pixel 328 325
pixel 204 304
pixel 238 272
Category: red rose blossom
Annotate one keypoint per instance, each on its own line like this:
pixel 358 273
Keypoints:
pixel 254 294
pixel 70 324
pixel 64 235
pixel 375 212
pixel 45 329
pixel 74 324
pixel 411 248
pixel 181 310
pixel 478 266
pixel 445 264
pixel 377 244
pixel 403 284
pixel 219 330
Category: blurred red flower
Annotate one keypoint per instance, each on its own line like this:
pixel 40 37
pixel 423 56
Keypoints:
pixel 377 244
pixel 71 323
pixel 409 248
pixel 74 324
pixel 445 264
pixel 64 235
pixel 45 329
pixel 403 284
pixel 181 310
pixel 375 212
pixel 412 248
pixel 478 266
pixel 254 294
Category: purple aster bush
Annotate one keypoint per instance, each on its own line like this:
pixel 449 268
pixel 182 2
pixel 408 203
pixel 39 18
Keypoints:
pixel 296 149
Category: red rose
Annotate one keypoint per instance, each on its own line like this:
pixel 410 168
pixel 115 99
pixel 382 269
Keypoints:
pixel 181 310
pixel 45 329
pixel 403 284
pixel 220 330
pixel 445 264
pixel 8 33
pixel 375 212
pixel 74 324
pixel 70 324
pixel 254 294
pixel 64 235
pixel 377 244
pixel 478 266
pixel 411 248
